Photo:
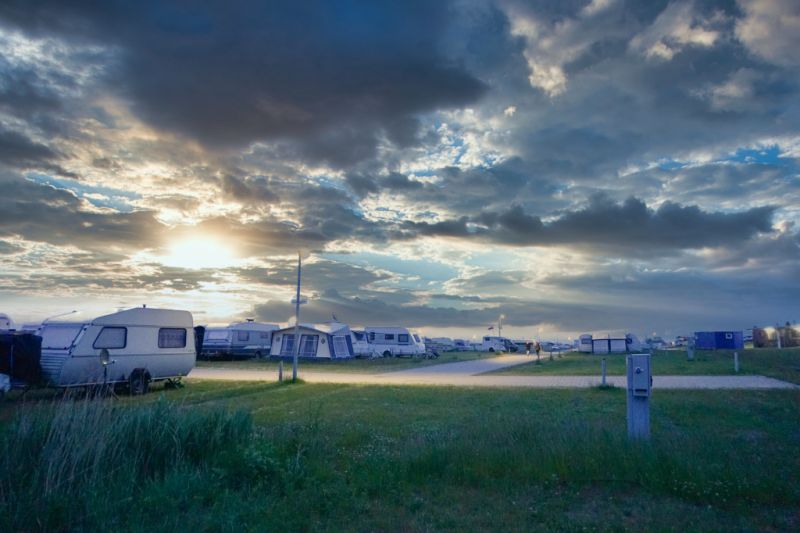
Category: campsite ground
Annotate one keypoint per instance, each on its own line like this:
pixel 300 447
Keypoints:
pixel 781 364
pixel 333 457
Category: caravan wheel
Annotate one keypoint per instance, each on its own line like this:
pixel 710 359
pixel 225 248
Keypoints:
pixel 491 349
pixel 387 353
pixel 139 382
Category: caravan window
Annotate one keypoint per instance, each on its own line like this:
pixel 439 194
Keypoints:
pixel 388 336
pixel 371 336
pixel 217 334
pixel 243 336
pixel 402 338
pixel 340 347
pixel 111 338
pixel 308 345
pixel 416 338
pixel 171 338
pixel 287 345
pixel 265 334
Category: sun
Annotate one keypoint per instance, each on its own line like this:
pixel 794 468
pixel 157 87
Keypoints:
pixel 199 253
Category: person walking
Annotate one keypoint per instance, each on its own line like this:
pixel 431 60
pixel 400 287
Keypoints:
pixel 528 347
pixel 538 349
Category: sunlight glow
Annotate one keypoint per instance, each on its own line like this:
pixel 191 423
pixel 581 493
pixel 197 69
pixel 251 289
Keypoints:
pixel 199 253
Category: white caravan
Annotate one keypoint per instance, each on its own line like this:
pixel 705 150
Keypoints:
pixel 442 344
pixel 361 346
pixel 394 341
pixel 495 344
pixel 585 343
pixel 5 322
pixel 135 346
pixel 239 340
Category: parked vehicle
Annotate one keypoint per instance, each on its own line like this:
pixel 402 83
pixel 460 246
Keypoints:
pixel 497 344
pixel 392 341
pixel 361 346
pixel 6 323
pixel 134 347
pixel 461 345
pixel 240 340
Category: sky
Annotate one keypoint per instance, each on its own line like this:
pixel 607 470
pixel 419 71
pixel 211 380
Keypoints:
pixel 599 166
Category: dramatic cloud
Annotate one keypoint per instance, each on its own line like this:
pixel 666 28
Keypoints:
pixel 611 226
pixel 585 165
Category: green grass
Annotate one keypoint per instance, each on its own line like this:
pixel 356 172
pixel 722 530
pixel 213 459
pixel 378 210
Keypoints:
pixel 334 457
pixel 359 365
pixel 782 364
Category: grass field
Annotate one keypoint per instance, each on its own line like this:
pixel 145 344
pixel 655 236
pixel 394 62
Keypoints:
pixel 366 366
pixel 236 456
pixel 781 364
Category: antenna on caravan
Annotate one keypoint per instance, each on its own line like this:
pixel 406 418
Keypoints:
pixel 58 315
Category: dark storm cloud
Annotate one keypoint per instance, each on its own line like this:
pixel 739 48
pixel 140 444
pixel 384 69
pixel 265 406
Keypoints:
pixel 337 74
pixel 604 223
pixel 18 150
pixel 47 214
pixel 247 190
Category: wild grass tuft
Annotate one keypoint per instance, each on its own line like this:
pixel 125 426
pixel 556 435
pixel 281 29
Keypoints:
pixel 70 462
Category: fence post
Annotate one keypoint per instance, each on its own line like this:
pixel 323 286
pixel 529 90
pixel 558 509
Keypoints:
pixel 280 371
pixel 736 362
pixel 603 367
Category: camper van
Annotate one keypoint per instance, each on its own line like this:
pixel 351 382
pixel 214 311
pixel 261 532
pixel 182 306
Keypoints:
pixel 361 346
pixel 497 344
pixel 132 347
pixel 240 340
pixel 395 341
pixel 6 323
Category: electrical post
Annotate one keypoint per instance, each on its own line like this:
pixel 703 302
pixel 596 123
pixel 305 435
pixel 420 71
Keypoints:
pixel 640 382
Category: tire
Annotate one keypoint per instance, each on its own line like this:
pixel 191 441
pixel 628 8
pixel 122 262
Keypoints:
pixel 138 382
pixel 387 353
pixel 491 350
pixel 258 355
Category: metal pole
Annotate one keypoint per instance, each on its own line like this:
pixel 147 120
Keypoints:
pixel 639 378
pixel 280 371
pixel 736 362
pixel 500 326
pixel 296 323
pixel 603 367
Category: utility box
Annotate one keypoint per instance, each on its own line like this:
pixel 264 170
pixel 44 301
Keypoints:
pixel 640 378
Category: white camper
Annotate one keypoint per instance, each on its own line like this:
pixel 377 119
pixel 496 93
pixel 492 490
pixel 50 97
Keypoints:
pixel 391 341
pixel 239 340
pixel 331 340
pixel 585 343
pixel 442 344
pixel 496 344
pixel 135 346
pixel 361 346
pixel 6 323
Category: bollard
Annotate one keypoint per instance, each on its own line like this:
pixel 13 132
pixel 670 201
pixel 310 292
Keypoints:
pixel 736 362
pixel 280 371
pixel 603 367
pixel 640 381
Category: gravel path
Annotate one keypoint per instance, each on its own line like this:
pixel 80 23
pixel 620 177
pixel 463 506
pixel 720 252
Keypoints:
pixel 464 375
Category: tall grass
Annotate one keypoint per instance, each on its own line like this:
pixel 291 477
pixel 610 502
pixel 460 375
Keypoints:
pixel 78 462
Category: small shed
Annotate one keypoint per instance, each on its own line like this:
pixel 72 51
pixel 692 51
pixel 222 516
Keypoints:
pixel 330 341
pixel 718 340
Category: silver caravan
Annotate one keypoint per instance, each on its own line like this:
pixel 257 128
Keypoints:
pixel 394 341
pixel 133 347
pixel 240 340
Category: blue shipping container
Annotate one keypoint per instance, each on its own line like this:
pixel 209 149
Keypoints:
pixel 718 340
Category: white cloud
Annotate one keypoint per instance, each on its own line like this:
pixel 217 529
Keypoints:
pixel 771 30
pixel 677 27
